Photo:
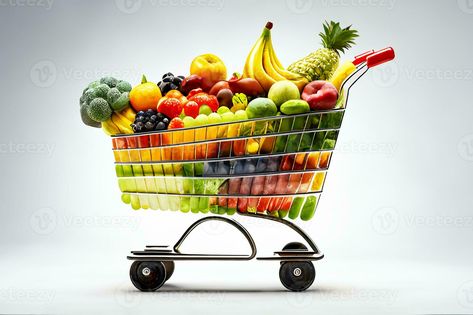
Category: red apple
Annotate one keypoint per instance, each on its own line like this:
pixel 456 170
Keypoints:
pixel 210 68
pixel 320 95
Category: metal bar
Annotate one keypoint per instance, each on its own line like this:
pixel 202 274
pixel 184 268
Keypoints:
pixel 233 223
pixel 291 225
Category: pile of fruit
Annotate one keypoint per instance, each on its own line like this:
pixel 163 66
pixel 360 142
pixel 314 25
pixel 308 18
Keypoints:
pixel 207 97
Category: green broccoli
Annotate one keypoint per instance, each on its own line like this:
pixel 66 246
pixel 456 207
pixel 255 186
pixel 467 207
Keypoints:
pixel 99 110
pixel 101 91
pixel 124 86
pixel 109 81
pixel 113 95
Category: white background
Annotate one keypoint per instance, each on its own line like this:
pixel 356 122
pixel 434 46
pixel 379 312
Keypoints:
pixel 395 220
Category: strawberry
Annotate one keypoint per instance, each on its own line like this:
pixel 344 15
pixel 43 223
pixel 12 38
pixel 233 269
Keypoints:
pixel 205 99
pixel 191 109
pixel 194 92
pixel 170 107
pixel 176 123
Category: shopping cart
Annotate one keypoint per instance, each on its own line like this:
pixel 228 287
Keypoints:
pixel 267 168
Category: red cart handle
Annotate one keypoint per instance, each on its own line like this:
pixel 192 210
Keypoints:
pixel 380 57
pixel 362 57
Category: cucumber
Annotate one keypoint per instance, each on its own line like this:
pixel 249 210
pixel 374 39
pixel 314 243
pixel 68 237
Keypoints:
pixel 296 207
pixel 308 210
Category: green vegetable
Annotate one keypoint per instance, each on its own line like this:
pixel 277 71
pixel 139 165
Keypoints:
pixel 89 95
pixel 296 207
pixel 293 107
pixel 121 103
pixel 94 84
pixel 99 110
pixel 124 86
pixel 308 210
pixel 113 95
pixel 109 81
pixel 86 118
pixel 101 91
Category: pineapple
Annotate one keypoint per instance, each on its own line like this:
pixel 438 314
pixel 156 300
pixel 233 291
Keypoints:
pixel 321 64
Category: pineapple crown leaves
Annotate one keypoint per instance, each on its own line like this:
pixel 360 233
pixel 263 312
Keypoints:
pixel 337 38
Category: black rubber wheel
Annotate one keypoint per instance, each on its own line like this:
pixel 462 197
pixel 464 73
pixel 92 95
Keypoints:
pixel 169 266
pixel 294 245
pixel 297 275
pixel 147 276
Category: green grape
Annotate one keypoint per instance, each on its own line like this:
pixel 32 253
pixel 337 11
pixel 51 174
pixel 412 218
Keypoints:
pixel 222 109
pixel 205 109
pixel 214 118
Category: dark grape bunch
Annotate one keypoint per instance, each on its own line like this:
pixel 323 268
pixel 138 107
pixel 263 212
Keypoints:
pixel 150 120
pixel 170 82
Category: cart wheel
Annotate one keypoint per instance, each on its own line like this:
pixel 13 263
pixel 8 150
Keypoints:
pixel 169 266
pixel 294 245
pixel 147 276
pixel 297 276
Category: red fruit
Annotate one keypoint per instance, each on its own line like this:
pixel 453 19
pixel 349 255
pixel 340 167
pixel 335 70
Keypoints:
pixel 190 83
pixel 176 123
pixel 205 99
pixel 191 109
pixel 320 95
pixel 194 92
pixel 170 107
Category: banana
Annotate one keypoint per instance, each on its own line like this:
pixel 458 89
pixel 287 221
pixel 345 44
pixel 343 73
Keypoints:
pixel 268 65
pixel 122 123
pixel 259 73
pixel 248 69
pixel 110 128
pixel 129 113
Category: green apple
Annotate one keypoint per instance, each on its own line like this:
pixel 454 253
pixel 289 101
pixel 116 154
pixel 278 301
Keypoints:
pixel 283 91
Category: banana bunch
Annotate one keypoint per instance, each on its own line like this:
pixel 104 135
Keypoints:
pixel 263 65
pixel 120 122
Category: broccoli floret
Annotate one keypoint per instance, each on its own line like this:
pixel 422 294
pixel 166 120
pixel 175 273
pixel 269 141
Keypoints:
pixel 124 86
pixel 89 95
pixel 101 91
pixel 99 110
pixel 121 103
pixel 93 85
pixel 112 95
pixel 110 81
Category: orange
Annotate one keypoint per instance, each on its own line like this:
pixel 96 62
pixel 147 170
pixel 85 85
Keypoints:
pixel 145 95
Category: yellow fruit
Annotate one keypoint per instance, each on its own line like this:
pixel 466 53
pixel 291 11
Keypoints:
pixel 145 95
pixel 342 73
